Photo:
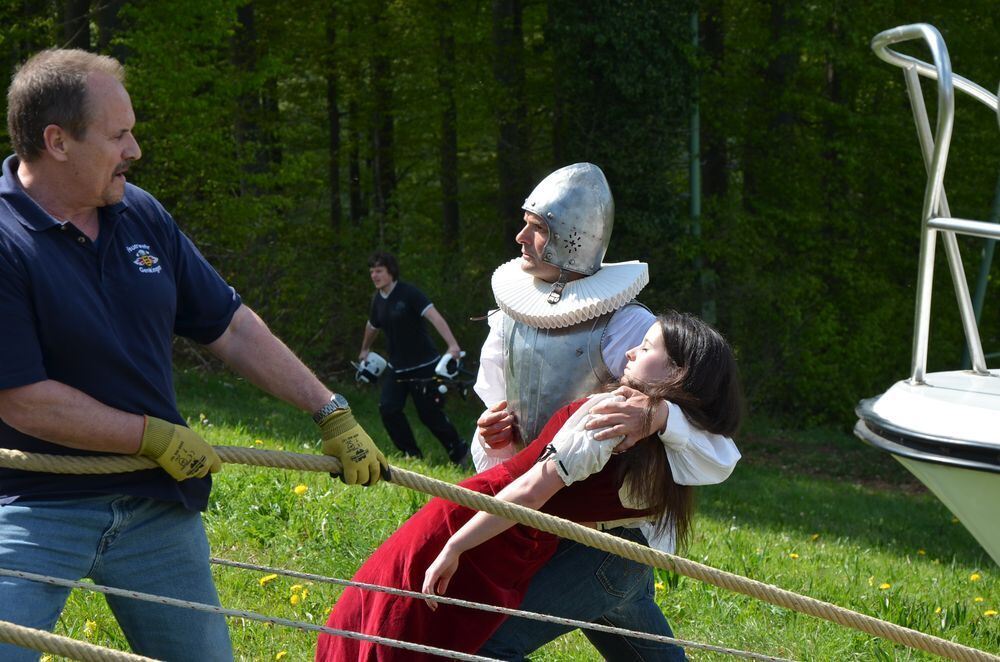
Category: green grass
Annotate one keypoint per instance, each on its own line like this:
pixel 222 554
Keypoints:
pixel 815 512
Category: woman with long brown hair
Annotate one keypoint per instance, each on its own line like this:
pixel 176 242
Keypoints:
pixel 448 549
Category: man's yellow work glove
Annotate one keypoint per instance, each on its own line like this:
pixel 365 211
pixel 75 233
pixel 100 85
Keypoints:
pixel 344 439
pixel 179 450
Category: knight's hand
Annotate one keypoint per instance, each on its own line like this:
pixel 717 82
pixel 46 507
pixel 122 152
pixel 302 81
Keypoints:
pixel 625 417
pixel 496 426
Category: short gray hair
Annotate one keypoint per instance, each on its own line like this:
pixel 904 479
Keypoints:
pixel 51 88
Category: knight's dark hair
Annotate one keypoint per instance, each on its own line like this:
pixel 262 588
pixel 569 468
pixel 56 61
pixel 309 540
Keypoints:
pixel 704 382
pixel 387 260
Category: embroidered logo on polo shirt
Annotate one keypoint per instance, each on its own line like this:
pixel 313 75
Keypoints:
pixel 146 261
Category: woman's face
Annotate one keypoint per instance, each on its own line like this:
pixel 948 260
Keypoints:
pixel 649 361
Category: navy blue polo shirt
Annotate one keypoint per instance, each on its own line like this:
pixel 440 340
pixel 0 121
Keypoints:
pixel 101 319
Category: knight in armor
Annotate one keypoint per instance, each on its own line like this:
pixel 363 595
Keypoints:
pixel 564 323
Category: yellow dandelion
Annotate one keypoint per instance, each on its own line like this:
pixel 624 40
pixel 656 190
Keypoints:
pixel 975 577
pixel 281 655
pixel 659 586
pixel 295 599
pixel 884 586
pixel 990 613
pixel 258 442
pixel 938 610
pixel 90 629
pixel 305 593
pixel 297 587
pixel 921 552
pixel 300 489
pixel 814 537
pixel 267 579
pixel 793 555
pixel 979 599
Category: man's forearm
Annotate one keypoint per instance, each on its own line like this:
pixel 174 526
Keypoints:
pixel 249 348
pixel 63 415
pixel 439 323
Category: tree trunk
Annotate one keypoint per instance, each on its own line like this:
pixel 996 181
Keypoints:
pixel 108 24
pixel 333 118
pixel 384 168
pixel 715 177
pixel 513 168
pixel 354 189
pixel 76 24
pixel 449 136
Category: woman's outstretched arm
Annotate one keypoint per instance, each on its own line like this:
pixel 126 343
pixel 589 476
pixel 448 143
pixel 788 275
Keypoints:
pixel 532 489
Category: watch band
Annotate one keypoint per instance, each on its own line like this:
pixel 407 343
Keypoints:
pixel 337 401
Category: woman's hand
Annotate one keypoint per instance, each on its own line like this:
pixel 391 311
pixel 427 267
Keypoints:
pixel 625 418
pixel 439 574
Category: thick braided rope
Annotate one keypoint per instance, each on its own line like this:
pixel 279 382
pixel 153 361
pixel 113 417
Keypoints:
pixel 542 522
pixel 231 613
pixel 46 642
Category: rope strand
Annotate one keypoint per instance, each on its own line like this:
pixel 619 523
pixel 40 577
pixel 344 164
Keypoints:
pixel 542 522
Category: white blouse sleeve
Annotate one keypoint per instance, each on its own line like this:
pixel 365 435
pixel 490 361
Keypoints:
pixel 491 389
pixel 696 457
pixel 574 451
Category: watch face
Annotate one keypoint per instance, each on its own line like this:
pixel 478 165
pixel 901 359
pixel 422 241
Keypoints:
pixel 340 401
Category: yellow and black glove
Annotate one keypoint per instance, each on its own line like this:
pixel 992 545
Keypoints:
pixel 344 439
pixel 179 450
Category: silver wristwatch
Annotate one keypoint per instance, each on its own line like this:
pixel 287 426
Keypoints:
pixel 337 401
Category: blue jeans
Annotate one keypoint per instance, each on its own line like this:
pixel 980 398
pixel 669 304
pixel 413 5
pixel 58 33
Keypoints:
pixel 126 542
pixel 586 584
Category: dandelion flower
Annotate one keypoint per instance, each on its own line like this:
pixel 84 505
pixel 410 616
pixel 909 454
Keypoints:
pixel 297 587
pixel 305 593
pixel 258 442
pixel 990 613
pixel 281 655
pixel 300 489
pixel 814 537
pixel 921 552
pixel 295 599
pixel 884 586
pixel 659 586
pixel 979 599
pixel 793 555
pixel 267 579
pixel 975 577
pixel 938 610
pixel 90 629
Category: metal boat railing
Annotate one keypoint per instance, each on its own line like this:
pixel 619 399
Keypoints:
pixel 936 216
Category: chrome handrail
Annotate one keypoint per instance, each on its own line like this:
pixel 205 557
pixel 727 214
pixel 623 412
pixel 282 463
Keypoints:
pixel 936 216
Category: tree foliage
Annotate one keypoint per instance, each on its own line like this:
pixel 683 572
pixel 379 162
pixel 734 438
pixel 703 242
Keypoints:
pixel 289 142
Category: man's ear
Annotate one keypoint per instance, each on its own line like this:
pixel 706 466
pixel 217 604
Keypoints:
pixel 55 142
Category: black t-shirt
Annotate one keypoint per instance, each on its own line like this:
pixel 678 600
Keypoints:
pixel 400 316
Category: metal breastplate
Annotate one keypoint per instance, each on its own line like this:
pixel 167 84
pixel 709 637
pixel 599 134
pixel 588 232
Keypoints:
pixel 545 369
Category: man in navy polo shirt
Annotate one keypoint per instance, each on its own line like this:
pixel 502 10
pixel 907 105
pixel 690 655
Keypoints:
pixel 95 279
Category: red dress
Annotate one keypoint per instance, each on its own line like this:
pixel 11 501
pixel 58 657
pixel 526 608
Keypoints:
pixel 496 572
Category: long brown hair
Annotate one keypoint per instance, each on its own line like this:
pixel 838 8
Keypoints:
pixel 704 382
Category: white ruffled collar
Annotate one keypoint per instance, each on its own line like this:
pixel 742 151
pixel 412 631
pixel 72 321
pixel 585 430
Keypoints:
pixel 525 298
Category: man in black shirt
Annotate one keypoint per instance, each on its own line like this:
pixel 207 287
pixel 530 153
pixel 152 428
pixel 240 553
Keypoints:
pixel 399 308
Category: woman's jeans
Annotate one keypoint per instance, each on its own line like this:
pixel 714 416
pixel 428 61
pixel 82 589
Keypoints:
pixel 586 584
pixel 125 542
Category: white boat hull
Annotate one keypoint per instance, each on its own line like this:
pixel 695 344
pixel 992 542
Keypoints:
pixel 946 432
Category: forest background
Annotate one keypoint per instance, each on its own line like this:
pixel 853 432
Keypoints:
pixel 289 140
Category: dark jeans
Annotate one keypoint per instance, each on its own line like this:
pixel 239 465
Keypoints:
pixel 586 584
pixel 430 408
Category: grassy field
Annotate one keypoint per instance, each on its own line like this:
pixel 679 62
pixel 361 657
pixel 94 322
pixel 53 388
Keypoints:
pixel 815 512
